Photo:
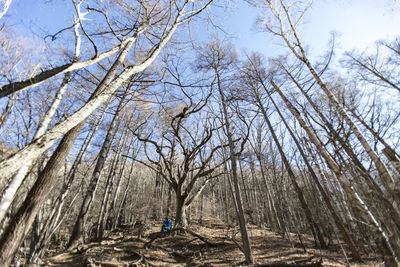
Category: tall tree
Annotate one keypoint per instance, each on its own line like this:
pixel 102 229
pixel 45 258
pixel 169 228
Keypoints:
pixel 9 192
pixel 219 59
pixel 255 73
pixel 56 215
pixel 340 175
pixel 174 14
pixel 78 229
pixel 284 20
pixel 185 157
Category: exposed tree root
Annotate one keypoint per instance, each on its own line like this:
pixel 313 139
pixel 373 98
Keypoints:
pixel 155 236
pixel 317 264
pixel 295 264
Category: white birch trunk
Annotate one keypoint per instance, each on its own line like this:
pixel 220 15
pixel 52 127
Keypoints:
pixel 7 4
pixel 33 151
pixel 38 146
pixel 10 191
pixel 8 194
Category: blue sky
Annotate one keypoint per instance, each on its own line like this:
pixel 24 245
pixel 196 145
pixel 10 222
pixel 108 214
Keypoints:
pixel 42 16
pixel 358 23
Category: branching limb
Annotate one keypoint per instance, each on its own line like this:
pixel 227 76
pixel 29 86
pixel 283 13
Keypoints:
pixel 81 17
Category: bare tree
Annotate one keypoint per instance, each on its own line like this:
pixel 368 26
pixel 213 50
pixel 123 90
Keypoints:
pixel 313 226
pixel 284 18
pixel 219 59
pixel 9 192
pixel 174 15
pixel 185 159
pixel 78 229
pixel 108 85
pixel 57 214
pixel 378 68
pixel 340 175
pixel 255 73
pixel 345 144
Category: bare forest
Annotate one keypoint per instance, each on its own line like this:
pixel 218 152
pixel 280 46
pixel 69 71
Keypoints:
pixel 131 114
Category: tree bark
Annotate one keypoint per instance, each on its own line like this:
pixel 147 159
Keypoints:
pixel 77 232
pixel 7 196
pixel 336 218
pixel 180 214
pixel 53 220
pixel 20 225
pixel 345 183
pixel 242 219
pixel 307 212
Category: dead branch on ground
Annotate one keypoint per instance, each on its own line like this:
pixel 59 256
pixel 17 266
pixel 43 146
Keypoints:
pixel 164 234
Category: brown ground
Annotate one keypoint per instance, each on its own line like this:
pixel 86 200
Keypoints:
pixel 123 248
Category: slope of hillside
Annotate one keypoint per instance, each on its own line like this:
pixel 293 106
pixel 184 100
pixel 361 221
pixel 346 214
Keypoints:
pixel 213 244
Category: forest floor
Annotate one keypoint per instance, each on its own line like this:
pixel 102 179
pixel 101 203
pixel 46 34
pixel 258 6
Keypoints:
pixel 208 245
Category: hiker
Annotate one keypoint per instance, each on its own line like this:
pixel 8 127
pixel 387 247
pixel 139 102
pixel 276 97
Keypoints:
pixel 166 225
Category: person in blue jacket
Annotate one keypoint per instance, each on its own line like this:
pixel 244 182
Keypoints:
pixel 166 225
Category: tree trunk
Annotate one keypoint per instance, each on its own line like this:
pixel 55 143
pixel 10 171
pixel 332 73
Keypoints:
pixel 307 212
pixel 7 196
pixel 70 128
pixel 106 205
pixel 112 212
pixel 20 225
pixel 118 218
pixel 242 220
pixel 14 87
pixel 35 236
pixel 103 92
pixel 180 215
pixel 325 197
pixel 384 174
pixel 105 202
pixel 201 210
pixel 375 188
pixel 77 232
pixel 72 124
pixel 52 221
pixel 276 223
pixel 345 183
